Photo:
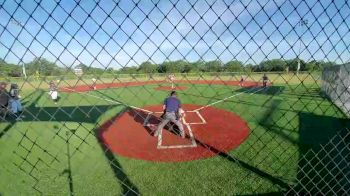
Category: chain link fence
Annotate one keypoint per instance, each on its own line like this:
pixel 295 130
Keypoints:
pixel 337 84
pixel 264 86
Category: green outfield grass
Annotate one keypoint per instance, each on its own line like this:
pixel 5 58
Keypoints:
pixel 32 83
pixel 55 150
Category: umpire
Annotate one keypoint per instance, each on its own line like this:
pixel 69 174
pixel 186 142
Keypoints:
pixel 171 107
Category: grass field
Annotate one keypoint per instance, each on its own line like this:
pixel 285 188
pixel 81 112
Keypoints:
pixel 54 150
pixel 31 83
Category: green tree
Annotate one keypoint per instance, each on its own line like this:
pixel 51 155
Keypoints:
pixel 172 66
pixel 44 66
pixel 293 64
pixel 311 66
pixel 213 66
pixel 273 65
pixel 92 70
pixel 320 65
pixel 197 66
pixel 249 67
pixel 7 69
pixel 233 66
pixel 148 67
pixel 128 70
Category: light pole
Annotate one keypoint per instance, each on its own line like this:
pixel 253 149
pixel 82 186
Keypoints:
pixel 24 71
pixel 301 23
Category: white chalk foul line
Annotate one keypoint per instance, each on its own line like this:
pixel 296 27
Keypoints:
pixel 200 116
pixel 194 144
pixel 146 119
pixel 234 95
pixel 108 100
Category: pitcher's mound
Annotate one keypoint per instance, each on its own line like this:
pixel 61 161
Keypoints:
pixel 169 88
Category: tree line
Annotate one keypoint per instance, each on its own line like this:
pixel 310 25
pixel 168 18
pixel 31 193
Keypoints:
pixel 43 67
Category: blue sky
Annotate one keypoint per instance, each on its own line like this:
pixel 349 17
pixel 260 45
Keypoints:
pixel 118 33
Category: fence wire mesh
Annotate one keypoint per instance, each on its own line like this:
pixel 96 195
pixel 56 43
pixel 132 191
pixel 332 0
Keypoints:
pixel 263 85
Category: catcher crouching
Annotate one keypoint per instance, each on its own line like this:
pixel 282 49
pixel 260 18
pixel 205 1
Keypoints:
pixel 172 113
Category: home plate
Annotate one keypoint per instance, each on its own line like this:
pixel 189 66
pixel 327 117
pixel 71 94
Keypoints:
pixel 171 139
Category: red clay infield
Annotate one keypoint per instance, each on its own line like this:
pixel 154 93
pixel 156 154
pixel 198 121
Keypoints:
pixel 169 88
pixel 127 136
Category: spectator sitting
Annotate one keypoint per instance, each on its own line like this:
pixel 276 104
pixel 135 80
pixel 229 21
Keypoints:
pixel 4 96
pixel 15 102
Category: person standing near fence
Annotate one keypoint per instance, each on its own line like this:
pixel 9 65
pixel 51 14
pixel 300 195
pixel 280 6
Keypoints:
pixel 172 112
pixel 94 83
pixel 4 96
pixel 241 82
pixel 15 102
pixel 265 80
pixel 53 92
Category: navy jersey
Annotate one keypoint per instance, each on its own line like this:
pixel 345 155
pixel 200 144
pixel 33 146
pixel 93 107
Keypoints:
pixel 172 104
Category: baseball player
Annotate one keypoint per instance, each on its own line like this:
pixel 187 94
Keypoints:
pixel 241 82
pixel 94 83
pixel 4 96
pixel 53 92
pixel 171 79
pixel 173 113
pixel 265 80
pixel 15 102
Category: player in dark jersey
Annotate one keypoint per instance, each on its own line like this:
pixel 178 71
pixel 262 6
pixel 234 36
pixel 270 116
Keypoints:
pixel 172 112
pixel 265 80
pixel 241 82
pixel 4 96
pixel 15 102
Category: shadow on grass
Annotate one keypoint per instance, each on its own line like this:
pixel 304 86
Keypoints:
pixel 270 90
pixel 323 166
pixel 140 116
pixel 269 122
pixel 87 114
pixel 128 188
pixel 5 130
pixel 80 114
pixel 323 148
pixel 267 194
pixel 303 92
pixel 245 166
pixel 68 171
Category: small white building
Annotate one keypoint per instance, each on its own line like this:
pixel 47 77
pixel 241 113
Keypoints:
pixel 78 71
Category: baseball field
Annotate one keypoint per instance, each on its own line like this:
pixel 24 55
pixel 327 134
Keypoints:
pixel 241 138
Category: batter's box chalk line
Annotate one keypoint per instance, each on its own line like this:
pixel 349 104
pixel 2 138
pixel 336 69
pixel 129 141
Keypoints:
pixel 160 144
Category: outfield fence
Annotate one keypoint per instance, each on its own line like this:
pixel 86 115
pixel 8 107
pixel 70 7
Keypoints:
pixel 288 136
